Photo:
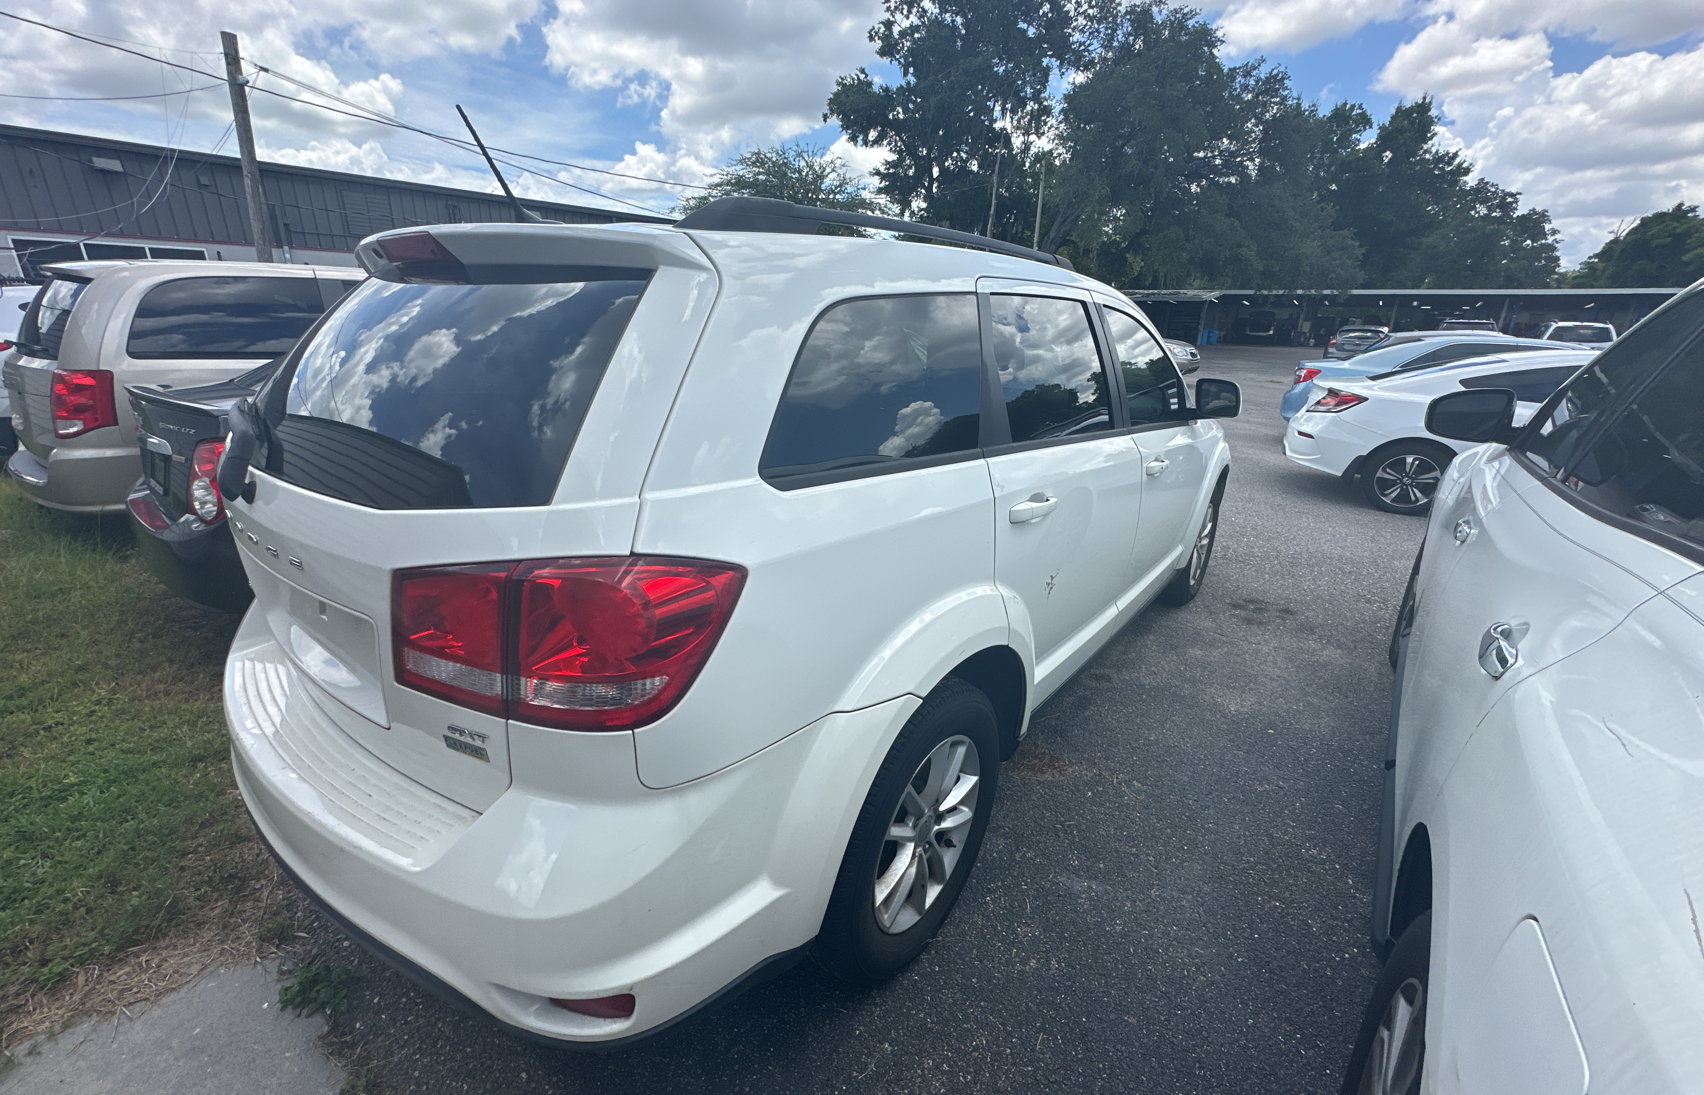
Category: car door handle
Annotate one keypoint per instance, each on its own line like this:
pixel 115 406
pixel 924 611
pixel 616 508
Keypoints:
pixel 1498 652
pixel 1157 465
pixel 1038 506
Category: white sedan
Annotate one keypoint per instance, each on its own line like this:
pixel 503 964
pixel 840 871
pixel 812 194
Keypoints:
pixel 1376 428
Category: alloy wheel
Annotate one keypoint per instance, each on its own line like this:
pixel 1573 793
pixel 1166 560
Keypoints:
pixel 1203 544
pixel 1407 481
pixel 1399 1044
pixel 927 833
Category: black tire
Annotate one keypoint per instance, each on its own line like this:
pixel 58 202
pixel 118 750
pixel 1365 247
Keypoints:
pixel 1405 611
pixel 853 945
pixel 1405 974
pixel 1404 477
pixel 1186 583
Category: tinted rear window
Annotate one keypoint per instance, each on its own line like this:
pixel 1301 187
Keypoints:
pixel 44 323
pixel 425 396
pixel 879 381
pixel 224 317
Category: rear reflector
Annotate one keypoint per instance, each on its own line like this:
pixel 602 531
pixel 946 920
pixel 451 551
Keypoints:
pixel 146 510
pixel 583 644
pixel 603 1007
pixel 81 401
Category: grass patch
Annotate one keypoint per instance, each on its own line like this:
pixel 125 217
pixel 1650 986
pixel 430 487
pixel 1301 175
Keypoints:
pixel 119 822
pixel 318 987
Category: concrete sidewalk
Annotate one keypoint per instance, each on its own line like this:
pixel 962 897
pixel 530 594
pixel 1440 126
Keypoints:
pixel 222 1033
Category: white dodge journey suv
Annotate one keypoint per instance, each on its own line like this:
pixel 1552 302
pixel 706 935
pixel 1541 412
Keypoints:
pixel 639 608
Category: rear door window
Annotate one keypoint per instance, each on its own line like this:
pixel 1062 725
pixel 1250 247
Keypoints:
pixel 205 317
pixel 879 381
pixel 429 396
pixel 1051 376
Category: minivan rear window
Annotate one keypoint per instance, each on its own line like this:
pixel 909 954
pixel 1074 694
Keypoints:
pixel 430 396
pixel 202 317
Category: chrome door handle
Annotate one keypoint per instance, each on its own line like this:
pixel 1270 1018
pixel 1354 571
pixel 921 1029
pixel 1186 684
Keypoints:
pixel 1157 465
pixel 1038 506
pixel 1497 650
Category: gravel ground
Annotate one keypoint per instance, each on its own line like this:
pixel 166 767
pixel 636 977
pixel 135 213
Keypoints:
pixel 1174 889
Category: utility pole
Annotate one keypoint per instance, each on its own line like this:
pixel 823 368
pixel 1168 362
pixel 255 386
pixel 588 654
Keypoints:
pixel 993 193
pixel 1040 193
pixel 245 146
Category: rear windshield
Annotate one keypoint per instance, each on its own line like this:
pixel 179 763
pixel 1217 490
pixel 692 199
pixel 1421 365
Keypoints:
pixel 1580 334
pixel 224 317
pixel 431 396
pixel 43 327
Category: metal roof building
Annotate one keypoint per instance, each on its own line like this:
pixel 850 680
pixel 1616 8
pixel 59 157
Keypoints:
pixel 64 196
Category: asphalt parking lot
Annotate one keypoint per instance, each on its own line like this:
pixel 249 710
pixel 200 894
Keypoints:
pixel 1174 890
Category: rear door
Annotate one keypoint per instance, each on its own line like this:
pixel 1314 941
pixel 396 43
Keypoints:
pixel 451 426
pixel 1067 479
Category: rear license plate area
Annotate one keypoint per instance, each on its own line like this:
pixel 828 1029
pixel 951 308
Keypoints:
pixel 157 468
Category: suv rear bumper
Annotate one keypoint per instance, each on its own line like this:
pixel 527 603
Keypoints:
pixel 596 887
pixel 77 480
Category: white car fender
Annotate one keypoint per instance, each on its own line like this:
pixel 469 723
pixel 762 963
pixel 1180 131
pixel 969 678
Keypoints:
pixel 920 653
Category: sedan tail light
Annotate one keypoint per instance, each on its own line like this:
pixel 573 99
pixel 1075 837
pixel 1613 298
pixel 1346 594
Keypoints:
pixel 584 644
pixel 204 497
pixel 82 401
pixel 1333 341
pixel 1305 375
pixel 1333 401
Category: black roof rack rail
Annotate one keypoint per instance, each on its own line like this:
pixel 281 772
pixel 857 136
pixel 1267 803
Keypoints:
pixel 774 215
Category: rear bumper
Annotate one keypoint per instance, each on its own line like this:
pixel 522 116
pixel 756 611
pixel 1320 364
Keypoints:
pixel 77 480
pixel 578 882
pixel 199 564
pixel 1312 441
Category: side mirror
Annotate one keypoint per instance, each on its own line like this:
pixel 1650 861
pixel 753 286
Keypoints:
pixel 1217 399
pixel 1476 415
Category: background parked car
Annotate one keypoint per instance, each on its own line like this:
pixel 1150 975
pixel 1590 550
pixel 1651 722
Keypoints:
pixel 1468 325
pixel 13 300
pixel 99 326
pixel 1353 339
pixel 1376 428
pixel 1539 889
pixel 176 515
pixel 1188 358
pixel 1591 333
pixel 1402 353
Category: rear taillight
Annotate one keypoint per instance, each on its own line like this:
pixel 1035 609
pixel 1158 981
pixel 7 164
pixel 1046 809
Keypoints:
pixel 204 497
pixel 82 401
pixel 583 644
pixel 4 345
pixel 1305 375
pixel 1333 341
pixel 1333 401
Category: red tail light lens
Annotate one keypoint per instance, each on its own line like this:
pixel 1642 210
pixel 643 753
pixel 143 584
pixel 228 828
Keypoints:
pixel 1305 375
pixel 583 644
pixel 82 401
pixel 1333 341
pixel 1333 401
pixel 204 497
pixel 447 633
pixel 603 1007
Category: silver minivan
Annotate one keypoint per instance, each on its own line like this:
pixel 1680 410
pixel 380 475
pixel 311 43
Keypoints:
pixel 97 327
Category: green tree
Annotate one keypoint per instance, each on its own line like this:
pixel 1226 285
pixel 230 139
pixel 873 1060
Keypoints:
pixel 795 173
pixel 1423 222
pixel 1661 250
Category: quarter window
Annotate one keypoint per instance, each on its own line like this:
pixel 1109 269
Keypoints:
pixel 1153 388
pixel 1529 385
pixel 1051 375
pixel 224 317
pixel 880 381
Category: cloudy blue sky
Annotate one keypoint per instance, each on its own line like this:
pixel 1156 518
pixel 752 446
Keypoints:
pixel 1591 108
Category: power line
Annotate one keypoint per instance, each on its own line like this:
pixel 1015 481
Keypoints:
pixel 368 114
pixel 106 98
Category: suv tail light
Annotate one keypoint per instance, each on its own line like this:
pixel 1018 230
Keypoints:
pixel 1305 375
pixel 204 498
pixel 583 644
pixel 1332 341
pixel 82 401
pixel 1333 401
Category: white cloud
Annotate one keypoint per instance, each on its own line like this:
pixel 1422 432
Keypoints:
pixel 1250 26
pixel 728 73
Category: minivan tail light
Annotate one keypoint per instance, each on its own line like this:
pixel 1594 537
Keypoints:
pixel 204 498
pixel 582 644
pixel 81 401
pixel 447 627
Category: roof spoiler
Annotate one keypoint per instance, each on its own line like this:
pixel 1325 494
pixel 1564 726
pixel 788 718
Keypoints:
pixel 743 214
